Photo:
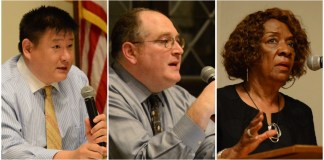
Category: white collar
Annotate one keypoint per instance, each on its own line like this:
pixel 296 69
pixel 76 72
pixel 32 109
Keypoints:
pixel 34 83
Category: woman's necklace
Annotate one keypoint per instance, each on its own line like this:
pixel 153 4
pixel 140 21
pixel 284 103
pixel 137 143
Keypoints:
pixel 274 126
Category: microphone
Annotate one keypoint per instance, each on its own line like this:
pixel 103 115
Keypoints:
pixel 208 74
pixel 315 62
pixel 87 93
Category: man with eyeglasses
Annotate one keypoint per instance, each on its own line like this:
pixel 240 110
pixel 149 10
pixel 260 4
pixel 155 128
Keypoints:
pixel 149 116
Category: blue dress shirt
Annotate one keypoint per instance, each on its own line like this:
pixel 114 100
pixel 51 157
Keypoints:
pixel 23 120
pixel 130 131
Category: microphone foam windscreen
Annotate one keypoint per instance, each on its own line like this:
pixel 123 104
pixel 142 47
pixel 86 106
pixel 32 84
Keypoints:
pixel 87 92
pixel 313 62
pixel 206 73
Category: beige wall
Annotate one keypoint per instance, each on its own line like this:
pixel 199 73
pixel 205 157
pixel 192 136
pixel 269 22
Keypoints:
pixel 308 88
pixel 11 14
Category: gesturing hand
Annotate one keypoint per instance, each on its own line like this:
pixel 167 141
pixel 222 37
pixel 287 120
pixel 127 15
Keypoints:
pixel 251 139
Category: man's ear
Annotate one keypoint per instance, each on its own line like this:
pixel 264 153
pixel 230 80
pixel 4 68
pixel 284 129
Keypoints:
pixel 26 47
pixel 129 52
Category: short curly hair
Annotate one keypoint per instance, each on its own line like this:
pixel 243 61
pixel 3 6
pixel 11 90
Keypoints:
pixel 242 50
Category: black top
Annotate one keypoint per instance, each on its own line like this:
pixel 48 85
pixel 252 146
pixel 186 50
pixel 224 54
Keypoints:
pixel 233 116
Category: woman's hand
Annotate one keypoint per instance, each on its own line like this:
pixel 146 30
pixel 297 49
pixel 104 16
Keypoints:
pixel 250 139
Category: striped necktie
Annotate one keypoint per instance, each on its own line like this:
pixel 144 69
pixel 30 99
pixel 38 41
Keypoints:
pixel 155 119
pixel 53 136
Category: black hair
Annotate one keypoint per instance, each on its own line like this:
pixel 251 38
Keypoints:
pixel 37 21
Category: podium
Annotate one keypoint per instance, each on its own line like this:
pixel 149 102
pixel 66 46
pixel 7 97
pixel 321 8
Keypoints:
pixel 292 152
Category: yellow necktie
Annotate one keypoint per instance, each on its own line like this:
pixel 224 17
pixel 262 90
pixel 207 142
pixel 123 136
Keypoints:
pixel 53 136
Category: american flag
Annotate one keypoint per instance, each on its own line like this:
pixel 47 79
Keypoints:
pixel 93 47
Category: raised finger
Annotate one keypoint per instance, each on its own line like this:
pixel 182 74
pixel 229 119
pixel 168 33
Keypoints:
pixel 259 117
pixel 266 135
pixel 254 126
pixel 256 123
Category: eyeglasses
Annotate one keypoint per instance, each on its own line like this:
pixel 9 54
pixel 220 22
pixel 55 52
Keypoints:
pixel 168 43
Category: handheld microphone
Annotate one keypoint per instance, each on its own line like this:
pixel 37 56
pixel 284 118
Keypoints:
pixel 208 74
pixel 87 93
pixel 315 62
